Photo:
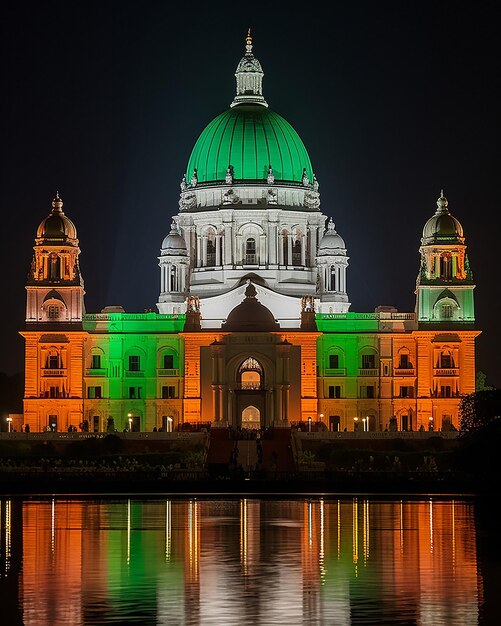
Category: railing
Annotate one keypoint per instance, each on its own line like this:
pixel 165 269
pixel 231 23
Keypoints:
pixel 405 371
pixel 54 372
pixel 127 317
pixel 399 434
pixel 446 371
pixel 335 371
pixel 167 372
pixel 93 371
pixel 368 372
pixel 368 316
pixel 134 373
pixel 249 386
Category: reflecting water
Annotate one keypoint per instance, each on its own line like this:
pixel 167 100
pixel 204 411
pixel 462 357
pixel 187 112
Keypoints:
pixel 240 561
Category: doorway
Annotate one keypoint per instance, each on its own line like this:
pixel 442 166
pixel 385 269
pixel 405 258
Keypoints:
pixel 251 418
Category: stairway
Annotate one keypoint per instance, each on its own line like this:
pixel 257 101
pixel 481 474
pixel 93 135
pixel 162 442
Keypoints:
pixel 247 454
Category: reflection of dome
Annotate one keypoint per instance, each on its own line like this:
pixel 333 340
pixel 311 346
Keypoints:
pixel 331 243
pixel 250 315
pixel 57 226
pixel 249 137
pixel 174 243
pixel 442 227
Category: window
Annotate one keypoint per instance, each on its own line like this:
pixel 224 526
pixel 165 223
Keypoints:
pixel 211 252
pixel 94 392
pixel 134 363
pixel 447 311
pixel 296 252
pixel 406 392
pixel 334 361
pixel 446 360
pixel 95 423
pixel 53 312
pixel 367 391
pixel 96 362
pixel 135 393
pixel 445 391
pixel 333 285
pixel 168 361
pixel 446 266
pixel 368 361
pixel 53 392
pixel 250 251
pixel 169 391
pixel 334 391
pixel 404 362
pixel 53 362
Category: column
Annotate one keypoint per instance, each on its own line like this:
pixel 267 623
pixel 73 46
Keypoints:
pixel 289 249
pixel 199 252
pixel 280 248
pixel 204 251
pixel 218 250
pixel 303 250
pixel 228 258
pixel 272 243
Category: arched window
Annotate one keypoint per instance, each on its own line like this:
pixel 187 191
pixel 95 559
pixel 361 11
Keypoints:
pixel 333 278
pixel 250 251
pixel 404 359
pixel 173 278
pixel 446 266
pixel 250 374
pixel 296 252
pixel 446 360
pixel 54 267
pixel 211 250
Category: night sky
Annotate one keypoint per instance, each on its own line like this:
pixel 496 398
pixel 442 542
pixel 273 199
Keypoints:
pixel 393 100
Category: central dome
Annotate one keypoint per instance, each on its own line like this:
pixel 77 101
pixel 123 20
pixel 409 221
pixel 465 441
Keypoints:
pixel 250 138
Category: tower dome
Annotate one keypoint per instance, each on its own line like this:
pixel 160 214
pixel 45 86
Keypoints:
pixel 331 243
pixel 173 243
pixel 57 227
pixel 249 140
pixel 442 228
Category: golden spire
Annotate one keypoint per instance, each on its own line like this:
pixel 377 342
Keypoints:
pixel 248 42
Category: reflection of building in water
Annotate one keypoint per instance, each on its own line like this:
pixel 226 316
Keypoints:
pixel 11 550
pixel 52 574
pixel 191 561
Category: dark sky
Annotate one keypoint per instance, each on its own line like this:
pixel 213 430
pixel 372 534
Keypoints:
pixel 393 100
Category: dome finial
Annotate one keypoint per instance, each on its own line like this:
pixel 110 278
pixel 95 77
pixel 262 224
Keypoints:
pixel 249 77
pixel 442 203
pixel 57 203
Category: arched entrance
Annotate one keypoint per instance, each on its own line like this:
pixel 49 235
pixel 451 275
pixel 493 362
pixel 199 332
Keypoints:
pixel 250 395
pixel 251 417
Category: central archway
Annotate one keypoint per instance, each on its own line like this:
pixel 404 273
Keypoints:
pixel 251 417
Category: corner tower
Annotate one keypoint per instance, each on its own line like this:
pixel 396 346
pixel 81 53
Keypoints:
pixel 444 286
pixel 55 288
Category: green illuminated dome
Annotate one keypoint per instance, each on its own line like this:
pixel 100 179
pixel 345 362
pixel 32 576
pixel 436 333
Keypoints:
pixel 250 138
pixel 244 142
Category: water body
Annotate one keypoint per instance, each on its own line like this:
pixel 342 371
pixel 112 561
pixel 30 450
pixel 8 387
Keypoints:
pixel 246 561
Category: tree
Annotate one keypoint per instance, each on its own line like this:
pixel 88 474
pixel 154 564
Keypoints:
pixel 479 409
pixel 481 382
